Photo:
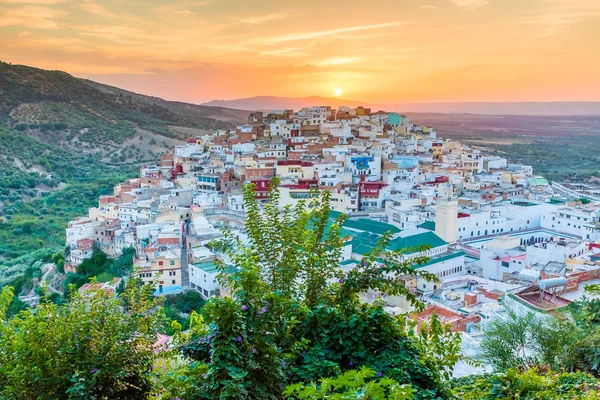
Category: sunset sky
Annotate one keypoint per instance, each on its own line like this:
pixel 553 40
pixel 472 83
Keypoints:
pixel 379 51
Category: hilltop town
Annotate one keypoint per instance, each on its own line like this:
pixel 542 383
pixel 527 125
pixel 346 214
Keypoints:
pixel 497 232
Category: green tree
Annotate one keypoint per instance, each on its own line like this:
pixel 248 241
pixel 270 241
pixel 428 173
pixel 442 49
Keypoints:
pixel 509 342
pixel 88 348
pixel 294 316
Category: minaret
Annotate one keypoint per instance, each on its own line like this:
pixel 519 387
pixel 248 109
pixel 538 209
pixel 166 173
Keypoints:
pixel 446 213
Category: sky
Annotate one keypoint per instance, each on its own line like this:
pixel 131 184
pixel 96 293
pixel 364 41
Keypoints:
pixel 380 52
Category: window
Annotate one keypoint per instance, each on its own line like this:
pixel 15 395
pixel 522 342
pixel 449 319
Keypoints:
pixel 160 263
pixel 172 262
pixel 173 281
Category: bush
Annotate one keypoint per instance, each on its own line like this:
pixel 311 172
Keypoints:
pixel 88 348
pixel 528 385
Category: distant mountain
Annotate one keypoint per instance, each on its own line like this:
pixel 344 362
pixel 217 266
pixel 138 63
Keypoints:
pixel 267 103
pixel 551 108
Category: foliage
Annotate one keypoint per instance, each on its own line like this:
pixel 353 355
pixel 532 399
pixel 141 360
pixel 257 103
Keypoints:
pixel 527 385
pixel 353 384
pixel 570 157
pixel 509 342
pixel 54 100
pixel 88 348
pixel 178 307
pixel 61 140
pixel 294 316
pixel 569 342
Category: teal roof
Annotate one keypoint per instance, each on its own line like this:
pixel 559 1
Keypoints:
pixel 351 226
pixel 370 226
pixel 557 201
pixel 430 225
pixel 349 262
pixel 416 241
pixel 366 234
pixel 364 242
pixel 538 182
pixel 207 266
pixel 445 257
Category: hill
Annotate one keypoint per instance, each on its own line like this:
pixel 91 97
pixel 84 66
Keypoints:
pixel 67 140
pixel 552 108
pixel 62 109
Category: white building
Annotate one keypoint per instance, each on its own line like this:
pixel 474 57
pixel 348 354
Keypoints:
pixel 573 221
pixel 203 277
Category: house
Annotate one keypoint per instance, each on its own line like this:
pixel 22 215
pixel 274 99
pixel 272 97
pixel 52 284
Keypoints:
pixel 161 267
pixel 203 277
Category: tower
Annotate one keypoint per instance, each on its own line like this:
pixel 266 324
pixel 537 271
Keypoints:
pixel 446 213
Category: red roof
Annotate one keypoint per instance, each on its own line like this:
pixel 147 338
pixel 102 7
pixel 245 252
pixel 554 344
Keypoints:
pixel 295 162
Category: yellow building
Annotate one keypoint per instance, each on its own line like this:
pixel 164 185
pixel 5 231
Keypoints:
pixel 161 268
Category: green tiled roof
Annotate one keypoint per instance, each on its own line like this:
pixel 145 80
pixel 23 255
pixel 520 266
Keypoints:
pixel 351 226
pixel 421 239
pixel 370 233
pixel 207 266
pixel 435 260
pixel 370 226
pixel 538 182
pixel 363 242
pixel 430 225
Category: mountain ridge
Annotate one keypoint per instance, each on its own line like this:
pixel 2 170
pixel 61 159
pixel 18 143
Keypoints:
pixel 549 108
pixel 31 96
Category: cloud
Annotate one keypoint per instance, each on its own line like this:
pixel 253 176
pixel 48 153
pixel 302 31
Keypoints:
pixel 337 61
pixel 470 4
pixel 94 8
pixel 260 19
pixel 31 17
pixel 320 34
pixel 45 2
pixel 559 16
pixel 429 7
pixel 65 44
pixel 287 52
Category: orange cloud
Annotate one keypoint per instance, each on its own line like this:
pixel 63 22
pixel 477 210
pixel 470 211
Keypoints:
pixel 31 17
pixel 442 50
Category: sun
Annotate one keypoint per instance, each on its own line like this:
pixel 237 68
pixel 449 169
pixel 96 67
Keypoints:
pixel 337 92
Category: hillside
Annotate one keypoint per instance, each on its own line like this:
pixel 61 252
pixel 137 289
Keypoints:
pixel 61 109
pixel 66 140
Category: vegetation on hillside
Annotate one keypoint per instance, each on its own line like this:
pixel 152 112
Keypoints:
pixel 527 385
pixel 36 99
pixel 572 158
pixel 90 348
pixel 66 141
